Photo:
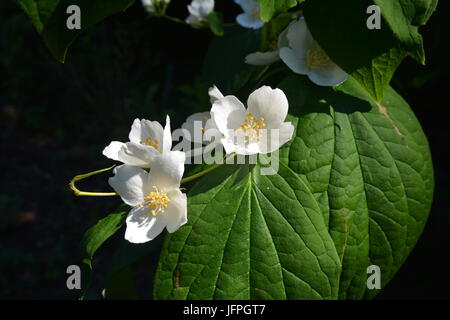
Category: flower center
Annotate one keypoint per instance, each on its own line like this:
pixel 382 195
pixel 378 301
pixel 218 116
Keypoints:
pixel 151 142
pixel 255 14
pixel 155 202
pixel 316 57
pixel 252 127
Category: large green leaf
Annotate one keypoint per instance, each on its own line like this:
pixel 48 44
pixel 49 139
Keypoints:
pixel 370 56
pixel 50 17
pixel 363 174
pixel 369 167
pixel 249 236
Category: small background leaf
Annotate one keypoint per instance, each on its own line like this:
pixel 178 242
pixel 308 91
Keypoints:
pixel 49 18
pixel 215 22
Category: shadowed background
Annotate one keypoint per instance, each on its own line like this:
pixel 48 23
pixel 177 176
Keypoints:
pixel 56 119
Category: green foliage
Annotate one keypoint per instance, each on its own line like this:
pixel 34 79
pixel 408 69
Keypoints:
pixel 49 18
pixel 100 232
pixel 215 22
pixel 354 186
pixel 370 56
pixel 404 18
pixel 269 8
pixel 364 181
pixel 249 237
pixel 369 167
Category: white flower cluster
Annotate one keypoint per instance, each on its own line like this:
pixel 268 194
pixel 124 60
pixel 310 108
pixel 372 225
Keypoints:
pixel 155 195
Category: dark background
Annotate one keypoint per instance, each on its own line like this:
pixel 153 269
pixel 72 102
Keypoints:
pixel 56 119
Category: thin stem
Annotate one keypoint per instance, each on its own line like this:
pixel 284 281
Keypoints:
pixel 267 75
pixel 90 194
pixel 173 19
pixel 230 24
pixel 202 173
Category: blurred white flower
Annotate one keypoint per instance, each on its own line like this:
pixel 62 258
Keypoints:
pixel 200 128
pixel 199 11
pixel 147 140
pixel 303 55
pixel 156 197
pixel 250 17
pixel 258 129
pixel 151 5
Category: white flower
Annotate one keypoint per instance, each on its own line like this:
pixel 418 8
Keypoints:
pixel 200 128
pixel 198 123
pixel 250 18
pixel 147 140
pixel 303 55
pixel 155 197
pixel 258 129
pixel 150 5
pixel 199 11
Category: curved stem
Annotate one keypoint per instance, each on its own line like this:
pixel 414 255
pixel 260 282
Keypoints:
pixel 266 75
pixel 230 24
pixel 173 19
pixel 202 173
pixel 91 194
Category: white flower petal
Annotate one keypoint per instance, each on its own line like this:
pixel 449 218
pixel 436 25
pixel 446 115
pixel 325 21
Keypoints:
pixel 300 39
pixel 129 182
pixel 248 21
pixel 144 129
pixel 295 63
pixel 286 132
pixel 167 137
pixel 199 11
pixel 148 5
pixel 230 146
pixel 206 7
pixel 194 124
pixel 270 104
pixel 175 214
pixel 194 21
pixel 167 171
pixel 283 41
pixel 112 150
pixel 282 135
pixel 247 6
pixel 214 94
pixel 228 113
pixel 262 58
pixel 332 75
pixel 138 155
pixel 142 226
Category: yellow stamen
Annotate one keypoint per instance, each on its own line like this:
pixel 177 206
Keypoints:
pixel 252 127
pixel 156 202
pixel 317 58
pixel 255 14
pixel 205 118
pixel 150 142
